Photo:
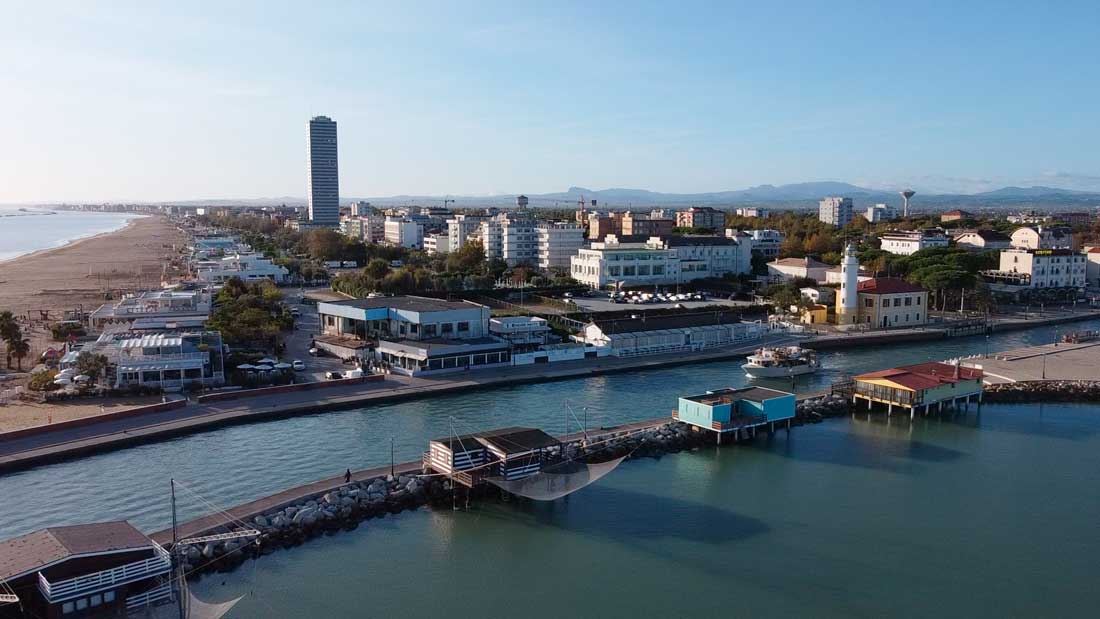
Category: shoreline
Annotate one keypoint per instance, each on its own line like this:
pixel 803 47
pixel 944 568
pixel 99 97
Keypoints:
pixel 72 242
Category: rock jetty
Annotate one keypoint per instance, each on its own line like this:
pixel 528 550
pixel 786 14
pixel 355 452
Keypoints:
pixel 349 506
pixel 1044 391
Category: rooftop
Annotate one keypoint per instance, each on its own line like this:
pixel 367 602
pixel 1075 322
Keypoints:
pixel 887 285
pixel 727 396
pixel 667 321
pixel 807 262
pixel 696 239
pixel 987 235
pixel 34 551
pixel 925 375
pixel 516 439
pixel 405 302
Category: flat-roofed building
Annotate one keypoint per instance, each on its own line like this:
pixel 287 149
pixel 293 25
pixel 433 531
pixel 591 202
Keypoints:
pixel 404 233
pixel 248 267
pixel 649 335
pixel 1039 268
pixel 835 211
pixel 955 215
pixel 403 317
pixel 558 242
pixel 631 224
pixel 704 217
pixel 909 242
pixel 734 410
pixel 437 243
pixel 166 305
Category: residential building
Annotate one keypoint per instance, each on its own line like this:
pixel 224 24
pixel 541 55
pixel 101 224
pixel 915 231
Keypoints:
pixel 919 388
pixel 463 228
pixel 167 305
pixel 404 233
pixel 703 256
pixel 105 569
pixel 955 215
pixel 703 217
pixel 752 211
pixel 1043 237
pixel 888 302
pixel 733 410
pixel 370 228
pixel 323 193
pixel 650 335
pixel 248 267
pixel 360 208
pixel 558 242
pixel 634 225
pixel 1083 218
pixel 1029 217
pixel 1039 268
pixel 979 240
pixel 794 268
pixel 909 242
pixel 1092 267
pixel 879 213
pixel 823 295
pixel 437 243
pixel 763 242
pixel 599 226
pixel 835 211
pixel 520 240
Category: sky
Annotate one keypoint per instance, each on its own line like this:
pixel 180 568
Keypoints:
pixel 162 101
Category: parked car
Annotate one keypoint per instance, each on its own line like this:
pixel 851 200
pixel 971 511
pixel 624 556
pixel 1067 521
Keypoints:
pixel 298 365
pixel 334 375
pixel 314 352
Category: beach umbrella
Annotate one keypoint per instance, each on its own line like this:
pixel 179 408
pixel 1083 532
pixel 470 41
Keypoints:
pixel 83 378
pixel 245 366
pixel 283 366
pixel 263 367
pixel 62 381
pixel 267 361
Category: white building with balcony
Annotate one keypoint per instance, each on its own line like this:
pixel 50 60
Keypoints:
pixel 558 242
pixel 628 264
pixel 1039 268
pixel 464 228
pixel 437 243
pixel 105 569
pixel 524 333
pixel 161 305
pixel 404 233
pixel 248 267
pixel 909 242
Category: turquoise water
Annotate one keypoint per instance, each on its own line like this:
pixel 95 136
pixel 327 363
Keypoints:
pixel 986 516
pixel 22 232
pixel 992 516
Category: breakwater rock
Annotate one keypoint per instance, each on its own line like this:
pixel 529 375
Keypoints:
pixel 353 504
pixel 1044 391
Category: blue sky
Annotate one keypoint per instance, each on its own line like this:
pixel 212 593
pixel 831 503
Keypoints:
pixel 162 101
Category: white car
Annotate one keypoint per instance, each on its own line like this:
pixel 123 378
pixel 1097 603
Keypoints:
pixel 298 365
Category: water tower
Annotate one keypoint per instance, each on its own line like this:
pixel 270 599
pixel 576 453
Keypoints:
pixel 908 193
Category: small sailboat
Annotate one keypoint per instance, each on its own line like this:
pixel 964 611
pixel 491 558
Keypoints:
pixel 780 362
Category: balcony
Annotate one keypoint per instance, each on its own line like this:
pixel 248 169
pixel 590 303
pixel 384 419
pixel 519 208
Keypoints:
pixel 83 585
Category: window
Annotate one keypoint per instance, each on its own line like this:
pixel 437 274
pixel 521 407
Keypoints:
pixel 886 302
pixel 108 597
pixel 868 303
pixel 82 603
pixel 908 301
pixel 446 328
pixel 97 599
pixel 67 608
pixel 918 317
pixel 918 300
pixel 429 330
pixel 463 327
pixel 897 302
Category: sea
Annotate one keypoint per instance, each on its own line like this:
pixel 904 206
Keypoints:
pixel 29 229
pixel 989 514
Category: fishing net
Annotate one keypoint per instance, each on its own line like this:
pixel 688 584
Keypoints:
pixel 198 609
pixel 557 480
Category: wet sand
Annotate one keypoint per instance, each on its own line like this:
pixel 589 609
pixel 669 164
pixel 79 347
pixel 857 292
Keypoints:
pixel 79 274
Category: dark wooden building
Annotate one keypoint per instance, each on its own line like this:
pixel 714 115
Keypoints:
pixel 89 570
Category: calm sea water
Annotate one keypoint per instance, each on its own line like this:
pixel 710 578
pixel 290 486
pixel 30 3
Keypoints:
pixel 989 516
pixel 23 232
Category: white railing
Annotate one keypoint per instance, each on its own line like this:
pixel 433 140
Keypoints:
pixel 81 585
pixel 124 359
pixel 156 594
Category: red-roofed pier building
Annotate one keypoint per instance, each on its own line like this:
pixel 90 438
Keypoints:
pixel 922 387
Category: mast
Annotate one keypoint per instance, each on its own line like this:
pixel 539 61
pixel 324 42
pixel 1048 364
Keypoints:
pixel 177 577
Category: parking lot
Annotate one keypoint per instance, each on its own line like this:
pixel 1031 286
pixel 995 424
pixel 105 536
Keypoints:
pixel 297 343
pixel 603 304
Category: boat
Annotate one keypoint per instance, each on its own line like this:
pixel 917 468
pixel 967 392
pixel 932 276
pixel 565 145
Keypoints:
pixel 781 362
pixel 1080 337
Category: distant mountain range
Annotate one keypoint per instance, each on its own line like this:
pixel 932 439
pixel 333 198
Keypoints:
pixel 796 195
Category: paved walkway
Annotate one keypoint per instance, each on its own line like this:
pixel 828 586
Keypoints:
pixel 1046 362
pixel 107 435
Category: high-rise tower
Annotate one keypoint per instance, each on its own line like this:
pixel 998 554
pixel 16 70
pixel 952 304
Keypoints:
pixel 324 183
pixel 847 301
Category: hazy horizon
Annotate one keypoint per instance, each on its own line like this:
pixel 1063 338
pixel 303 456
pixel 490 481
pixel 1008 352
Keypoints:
pixel 204 101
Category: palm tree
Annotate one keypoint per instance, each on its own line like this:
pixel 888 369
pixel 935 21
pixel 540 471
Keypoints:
pixel 20 348
pixel 9 332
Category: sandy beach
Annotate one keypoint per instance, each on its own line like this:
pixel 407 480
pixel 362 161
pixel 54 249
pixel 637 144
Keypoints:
pixel 80 273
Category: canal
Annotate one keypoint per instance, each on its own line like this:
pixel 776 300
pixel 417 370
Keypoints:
pixel 848 517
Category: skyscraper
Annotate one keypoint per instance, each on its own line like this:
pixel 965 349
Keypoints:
pixel 324 183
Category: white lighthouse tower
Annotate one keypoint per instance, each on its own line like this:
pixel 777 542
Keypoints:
pixel 847 302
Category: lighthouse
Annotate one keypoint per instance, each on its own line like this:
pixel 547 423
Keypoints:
pixel 847 302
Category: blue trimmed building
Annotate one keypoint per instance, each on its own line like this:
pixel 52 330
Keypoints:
pixel 733 410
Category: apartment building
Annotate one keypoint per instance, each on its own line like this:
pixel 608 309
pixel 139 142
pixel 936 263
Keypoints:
pixel 835 211
pixel 558 242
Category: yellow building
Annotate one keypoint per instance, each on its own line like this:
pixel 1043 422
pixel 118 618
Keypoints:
pixel 815 314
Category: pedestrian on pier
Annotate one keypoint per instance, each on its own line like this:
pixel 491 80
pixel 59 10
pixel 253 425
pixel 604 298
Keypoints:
pixel 347 476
